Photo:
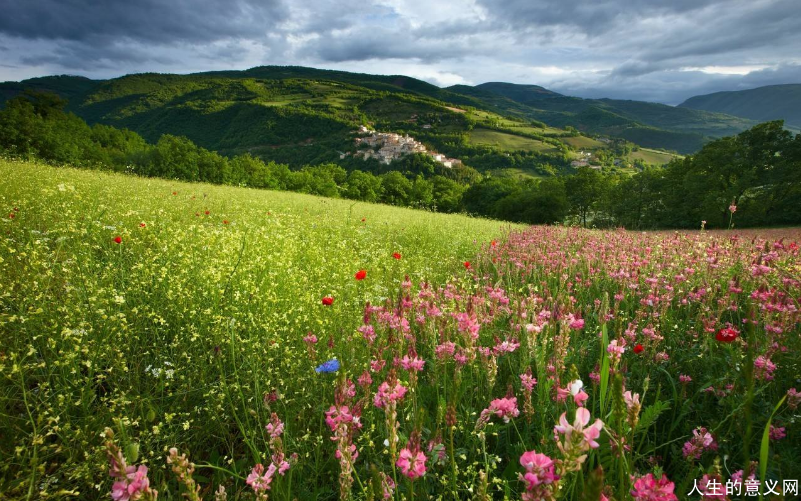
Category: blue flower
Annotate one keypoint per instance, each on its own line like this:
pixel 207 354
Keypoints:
pixel 330 366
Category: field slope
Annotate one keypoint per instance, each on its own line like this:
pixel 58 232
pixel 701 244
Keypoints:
pixel 131 329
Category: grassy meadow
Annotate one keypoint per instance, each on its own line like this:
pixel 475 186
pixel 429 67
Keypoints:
pixel 302 348
pixel 104 330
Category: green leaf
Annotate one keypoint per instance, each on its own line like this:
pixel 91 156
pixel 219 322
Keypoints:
pixel 132 452
pixel 604 368
pixel 650 414
pixel 763 449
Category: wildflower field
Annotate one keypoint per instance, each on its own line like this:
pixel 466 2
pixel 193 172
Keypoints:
pixel 171 340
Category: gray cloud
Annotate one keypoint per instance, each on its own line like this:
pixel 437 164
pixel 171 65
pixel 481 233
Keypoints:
pixel 637 49
pixel 155 21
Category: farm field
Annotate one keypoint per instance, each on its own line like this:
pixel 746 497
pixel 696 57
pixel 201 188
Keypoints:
pixel 652 157
pixel 507 141
pixel 583 142
pixel 297 347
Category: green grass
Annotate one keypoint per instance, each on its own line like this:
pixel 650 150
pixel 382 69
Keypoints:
pixel 509 142
pixel 173 291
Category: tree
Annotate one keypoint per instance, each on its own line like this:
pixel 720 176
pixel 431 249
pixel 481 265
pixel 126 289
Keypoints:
pixel 363 186
pixel 396 188
pixel 481 198
pixel 542 202
pixel 422 193
pixel 585 189
pixel 447 194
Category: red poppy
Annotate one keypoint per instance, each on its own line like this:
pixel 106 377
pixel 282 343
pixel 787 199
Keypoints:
pixel 396 255
pixel 208 212
pixel 364 219
pixel 361 275
pixel 225 221
pixel 493 243
pixel 11 216
pixel 142 225
pixel 174 192
pixel 727 334
pixel 467 265
pixel 638 349
pixel 328 300
pixel 118 239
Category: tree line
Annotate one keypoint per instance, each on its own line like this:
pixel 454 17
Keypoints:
pixel 758 171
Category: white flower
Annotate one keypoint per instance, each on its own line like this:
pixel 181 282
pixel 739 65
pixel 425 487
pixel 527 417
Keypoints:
pixel 576 387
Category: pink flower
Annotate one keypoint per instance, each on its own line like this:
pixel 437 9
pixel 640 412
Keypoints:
pixel 502 407
pixel 562 394
pixel 275 427
pixel 539 477
pixel 684 379
pixel 763 368
pixel 259 479
pixel 632 400
pixel 539 469
pixel 702 440
pixel 580 397
pixel 574 322
pixel 412 463
pixel 414 364
pixel 793 398
pixel 283 467
pixel 507 346
pixel 528 381
pixel 365 379
pixel 387 394
pixel 648 488
pixel 132 487
pixel 342 414
pixel 588 434
pixel 777 433
pixel 712 487
pixel 368 332
pixel 445 350
pixel 616 350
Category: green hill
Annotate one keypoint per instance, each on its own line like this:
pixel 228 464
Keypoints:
pixel 772 102
pixel 302 116
pixel 651 125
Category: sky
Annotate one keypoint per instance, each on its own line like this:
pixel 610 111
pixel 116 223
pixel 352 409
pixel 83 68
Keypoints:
pixel 662 51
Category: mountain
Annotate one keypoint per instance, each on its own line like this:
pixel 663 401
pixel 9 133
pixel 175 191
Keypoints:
pixel 772 102
pixel 304 116
pixel 526 94
pixel 648 124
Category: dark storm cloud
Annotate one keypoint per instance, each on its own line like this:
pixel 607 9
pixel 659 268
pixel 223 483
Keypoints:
pixel 155 21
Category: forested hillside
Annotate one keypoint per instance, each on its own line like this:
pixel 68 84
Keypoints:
pixel 758 173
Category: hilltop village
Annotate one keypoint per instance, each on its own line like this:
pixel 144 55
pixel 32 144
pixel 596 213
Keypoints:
pixel 388 146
